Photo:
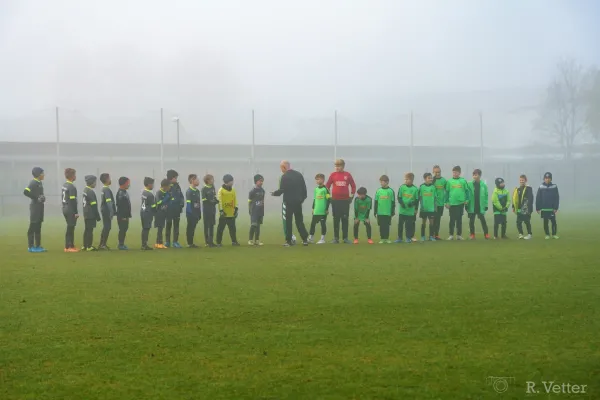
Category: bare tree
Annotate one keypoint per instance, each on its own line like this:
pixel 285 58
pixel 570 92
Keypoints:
pixel 562 116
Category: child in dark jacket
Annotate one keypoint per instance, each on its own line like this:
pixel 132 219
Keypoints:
pixel 546 204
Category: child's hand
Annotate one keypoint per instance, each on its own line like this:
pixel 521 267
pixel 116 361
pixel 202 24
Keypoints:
pixel 555 211
pixel 76 216
pixel 448 206
pixel 367 221
pixel 356 221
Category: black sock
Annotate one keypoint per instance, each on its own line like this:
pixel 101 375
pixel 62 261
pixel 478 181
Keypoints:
pixel 368 226
pixel 257 233
pixel 356 231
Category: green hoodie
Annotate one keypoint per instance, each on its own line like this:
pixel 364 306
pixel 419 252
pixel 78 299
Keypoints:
pixel 500 201
pixel 483 198
pixel 408 197
pixel 456 191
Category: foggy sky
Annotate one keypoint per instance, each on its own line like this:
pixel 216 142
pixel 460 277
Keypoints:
pixel 213 61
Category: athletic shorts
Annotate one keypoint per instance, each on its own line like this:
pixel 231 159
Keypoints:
pixel 70 219
pixel 147 221
pixel 548 214
pixel 210 219
pixel 256 219
pixel 427 214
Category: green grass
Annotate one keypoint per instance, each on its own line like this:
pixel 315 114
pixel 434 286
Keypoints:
pixel 420 321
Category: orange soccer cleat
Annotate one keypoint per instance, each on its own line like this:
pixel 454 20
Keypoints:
pixel 472 236
pixel 487 235
pixel 370 241
pixel 355 241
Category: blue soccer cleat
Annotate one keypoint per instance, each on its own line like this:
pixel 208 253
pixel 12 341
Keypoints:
pixel 432 239
pixel 31 250
pixel 422 238
pixel 408 240
pixel 176 245
pixel 167 244
pixel 123 247
pixel 41 250
pixel 399 240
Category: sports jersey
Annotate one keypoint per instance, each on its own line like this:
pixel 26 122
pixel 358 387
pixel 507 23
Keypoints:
pixel 427 197
pixel 227 200
pixel 385 202
pixel 456 191
pixel 408 197
pixel 69 198
pixel 440 190
pixel 321 200
pixel 341 185
pixel 256 201
pixel 362 208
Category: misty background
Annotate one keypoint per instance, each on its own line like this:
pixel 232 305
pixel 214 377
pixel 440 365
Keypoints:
pixel 391 86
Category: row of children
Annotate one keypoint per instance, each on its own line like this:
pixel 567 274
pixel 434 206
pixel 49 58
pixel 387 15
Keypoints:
pixel 436 193
pixel 163 209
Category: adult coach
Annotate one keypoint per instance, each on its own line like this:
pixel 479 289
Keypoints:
pixel 293 188
pixel 341 197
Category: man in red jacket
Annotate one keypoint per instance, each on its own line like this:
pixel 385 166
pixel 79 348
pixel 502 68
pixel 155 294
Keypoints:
pixel 342 188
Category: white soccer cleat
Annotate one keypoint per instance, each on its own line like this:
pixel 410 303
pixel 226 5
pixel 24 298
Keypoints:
pixel 251 242
pixel 521 236
pixel 322 241
pixel 311 239
pixel 450 237
pixel 459 237
pixel 528 237
pixel 258 243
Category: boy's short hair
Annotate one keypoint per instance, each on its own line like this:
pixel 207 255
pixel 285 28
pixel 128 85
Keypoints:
pixel 320 176
pixel 148 181
pixel 477 172
pixel 69 173
pixel 361 190
pixel 208 177
pixel 340 162
pixel 409 175
pixel 427 174
pixel 384 178
pixel 172 174
pixel 123 180
pixel 523 176
pixel 165 183
pixel 191 177
pixel 456 168
pixel 104 177
pixel 436 166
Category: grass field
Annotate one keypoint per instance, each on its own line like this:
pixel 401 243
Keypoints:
pixel 419 321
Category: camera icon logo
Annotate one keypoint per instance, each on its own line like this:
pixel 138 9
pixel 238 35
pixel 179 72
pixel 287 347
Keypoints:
pixel 499 383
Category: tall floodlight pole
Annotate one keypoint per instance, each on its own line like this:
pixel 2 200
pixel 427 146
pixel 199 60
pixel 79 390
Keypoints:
pixel 162 142
pixel 252 154
pixel 335 137
pixel 481 138
pixel 411 140
pixel 58 149
pixel 176 120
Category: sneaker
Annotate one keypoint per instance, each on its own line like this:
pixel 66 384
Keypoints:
pixel 41 250
pixel 388 241
pixel 554 237
pixel 176 245
pixel 472 236
pixel 91 249
pixel 335 241
pixel 487 236
pixel 159 246
pixel 409 241
pixel 322 241
pixel 458 237
pixel 167 244
pixel 450 237
pixel 347 241
pixel 71 250
pixel 250 242
pixel 122 247
pixel 432 239
pixel 370 241
pixel 146 248
pixel 355 241
pixel 311 239
pixel 258 243
pixel 286 244
pixel 305 243
pixel 399 240
pixel 31 249
pixel 414 240
pixel 547 237
pixel 192 246
pixel 437 237
pixel 528 237
pixel 382 241
pixel 218 245
pixel 521 236
pixel 235 244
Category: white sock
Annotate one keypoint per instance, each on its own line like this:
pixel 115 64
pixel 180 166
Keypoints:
pixel 322 237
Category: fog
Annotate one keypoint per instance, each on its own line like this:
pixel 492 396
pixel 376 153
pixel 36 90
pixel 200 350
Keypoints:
pixel 431 73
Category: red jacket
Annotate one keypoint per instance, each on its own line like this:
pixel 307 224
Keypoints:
pixel 338 183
